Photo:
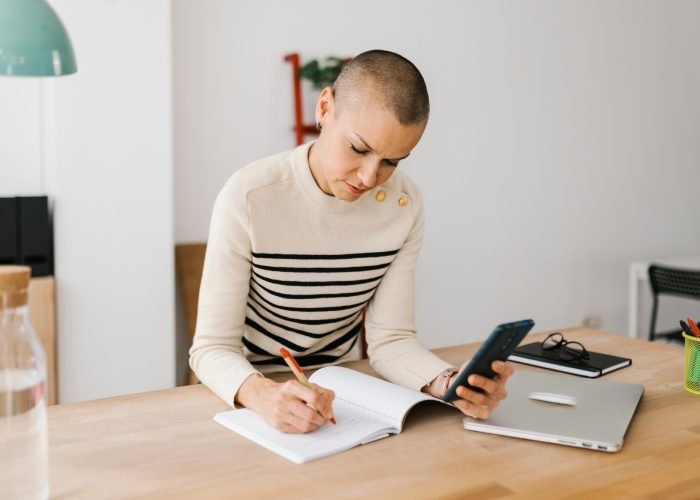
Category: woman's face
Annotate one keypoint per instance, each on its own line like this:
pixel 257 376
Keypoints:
pixel 359 146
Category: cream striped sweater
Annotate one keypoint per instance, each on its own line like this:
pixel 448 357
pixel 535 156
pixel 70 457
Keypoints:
pixel 287 265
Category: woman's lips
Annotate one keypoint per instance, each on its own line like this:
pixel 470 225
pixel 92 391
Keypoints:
pixel 354 190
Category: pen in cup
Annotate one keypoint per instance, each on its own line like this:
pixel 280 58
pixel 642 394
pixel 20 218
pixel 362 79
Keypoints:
pixel 686 328
pixel 297 371
pixel 693 327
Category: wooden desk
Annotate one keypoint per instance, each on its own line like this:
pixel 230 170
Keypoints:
pixel 165 445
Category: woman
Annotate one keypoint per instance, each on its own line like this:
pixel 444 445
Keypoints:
pixel 303 242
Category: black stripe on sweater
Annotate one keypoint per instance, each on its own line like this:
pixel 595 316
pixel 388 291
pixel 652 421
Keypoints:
pixel 301 332
pixel 321 269
pixel 312 360
pixel 300 321
pixel 318 283
pixel 296 256
pixel 332 345
pixel 309 309
pixel 314 296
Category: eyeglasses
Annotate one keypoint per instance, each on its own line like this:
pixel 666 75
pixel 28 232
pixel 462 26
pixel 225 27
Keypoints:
pixel 568 351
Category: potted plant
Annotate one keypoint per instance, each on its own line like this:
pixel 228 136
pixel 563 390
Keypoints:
pixel 320 75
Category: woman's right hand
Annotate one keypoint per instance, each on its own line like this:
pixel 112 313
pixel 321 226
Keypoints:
pixel 285 405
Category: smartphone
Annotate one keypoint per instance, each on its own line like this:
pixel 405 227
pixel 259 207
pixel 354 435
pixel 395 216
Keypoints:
pixel 498 346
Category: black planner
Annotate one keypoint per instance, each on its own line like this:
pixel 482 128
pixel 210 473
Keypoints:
pixel 596 365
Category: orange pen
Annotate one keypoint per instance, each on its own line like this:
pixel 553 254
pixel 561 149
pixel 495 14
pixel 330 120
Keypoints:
pixel 298 372
pixel 693 327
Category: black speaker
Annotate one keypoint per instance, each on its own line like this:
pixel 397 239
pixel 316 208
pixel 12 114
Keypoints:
pixel 9 237
pixel 35 241
pixel 25 233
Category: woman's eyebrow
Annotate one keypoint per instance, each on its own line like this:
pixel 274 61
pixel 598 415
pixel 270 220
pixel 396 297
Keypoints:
pixel 363 141
pixel 370 148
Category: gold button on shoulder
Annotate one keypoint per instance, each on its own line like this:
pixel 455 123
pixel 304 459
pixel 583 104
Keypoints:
pixel 380 196
pixel 403 201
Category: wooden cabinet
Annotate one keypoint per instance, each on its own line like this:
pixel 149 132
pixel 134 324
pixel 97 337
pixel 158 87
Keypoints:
pixel 42 314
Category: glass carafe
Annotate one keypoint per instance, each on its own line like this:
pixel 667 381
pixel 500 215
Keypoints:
pixel 24 471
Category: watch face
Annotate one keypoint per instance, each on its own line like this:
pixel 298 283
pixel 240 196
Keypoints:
pixel 446 375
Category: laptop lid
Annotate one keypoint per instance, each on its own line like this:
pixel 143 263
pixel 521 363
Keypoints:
pixel 565 410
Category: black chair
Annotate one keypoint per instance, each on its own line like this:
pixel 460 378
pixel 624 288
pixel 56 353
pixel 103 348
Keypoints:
pixel 671 281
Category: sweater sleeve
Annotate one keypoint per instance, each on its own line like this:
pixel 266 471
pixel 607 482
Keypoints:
pixel 216 355
pixel 393 347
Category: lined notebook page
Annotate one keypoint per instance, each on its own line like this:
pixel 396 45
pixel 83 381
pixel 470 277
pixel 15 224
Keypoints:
pixel 389 401
pixel 365 407
pixel 354 428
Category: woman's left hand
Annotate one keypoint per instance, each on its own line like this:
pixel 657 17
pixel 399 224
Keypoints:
pixel 480 405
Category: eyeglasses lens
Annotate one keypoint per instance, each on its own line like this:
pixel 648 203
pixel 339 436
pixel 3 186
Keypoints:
pixel 553 341
pixel 571 351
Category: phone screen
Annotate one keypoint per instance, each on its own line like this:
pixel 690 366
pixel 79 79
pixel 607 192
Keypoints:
pixel 498 346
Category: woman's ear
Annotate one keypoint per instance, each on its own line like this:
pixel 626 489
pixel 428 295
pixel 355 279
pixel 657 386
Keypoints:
pixel 324 105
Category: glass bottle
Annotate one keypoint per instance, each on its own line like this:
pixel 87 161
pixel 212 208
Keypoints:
pixel 24 469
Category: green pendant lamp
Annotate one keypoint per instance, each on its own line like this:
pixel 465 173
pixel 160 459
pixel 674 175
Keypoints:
pixel 33 41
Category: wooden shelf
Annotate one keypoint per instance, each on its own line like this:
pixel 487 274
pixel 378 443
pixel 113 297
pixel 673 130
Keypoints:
pixel 42 314
pixel 301 130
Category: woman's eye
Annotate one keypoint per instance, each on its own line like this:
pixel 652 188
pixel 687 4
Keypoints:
pixel 359 152
pixel 391 163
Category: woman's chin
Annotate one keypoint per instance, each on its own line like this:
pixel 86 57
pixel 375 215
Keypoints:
pixel 349 197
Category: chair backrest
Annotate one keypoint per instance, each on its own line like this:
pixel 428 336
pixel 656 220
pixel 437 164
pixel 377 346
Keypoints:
pixel 189 262
pixel 671 281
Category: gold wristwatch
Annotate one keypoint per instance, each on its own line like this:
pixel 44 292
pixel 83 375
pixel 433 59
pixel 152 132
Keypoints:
pixel 444 379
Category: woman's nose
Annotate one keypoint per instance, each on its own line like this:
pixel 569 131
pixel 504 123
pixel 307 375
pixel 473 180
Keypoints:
pixel 368 174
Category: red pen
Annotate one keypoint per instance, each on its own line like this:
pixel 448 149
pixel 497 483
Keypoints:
pixel 693 327
pixel 298 372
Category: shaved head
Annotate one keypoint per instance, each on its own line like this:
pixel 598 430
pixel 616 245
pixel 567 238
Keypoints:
pixel 388 77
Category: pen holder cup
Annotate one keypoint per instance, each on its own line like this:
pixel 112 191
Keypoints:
pixel 692 364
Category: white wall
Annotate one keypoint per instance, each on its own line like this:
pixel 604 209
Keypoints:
pixel 562 144
pixel 20 135
pixel 106 143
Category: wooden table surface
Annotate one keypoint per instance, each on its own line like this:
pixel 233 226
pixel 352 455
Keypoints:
pixel 164 444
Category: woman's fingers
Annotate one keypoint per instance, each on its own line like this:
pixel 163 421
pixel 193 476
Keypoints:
pixel 325 404
pixel 299 408
pixel 480 404
pixel 471 409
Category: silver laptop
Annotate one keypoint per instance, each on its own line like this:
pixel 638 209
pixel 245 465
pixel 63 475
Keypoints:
pixel 563 409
